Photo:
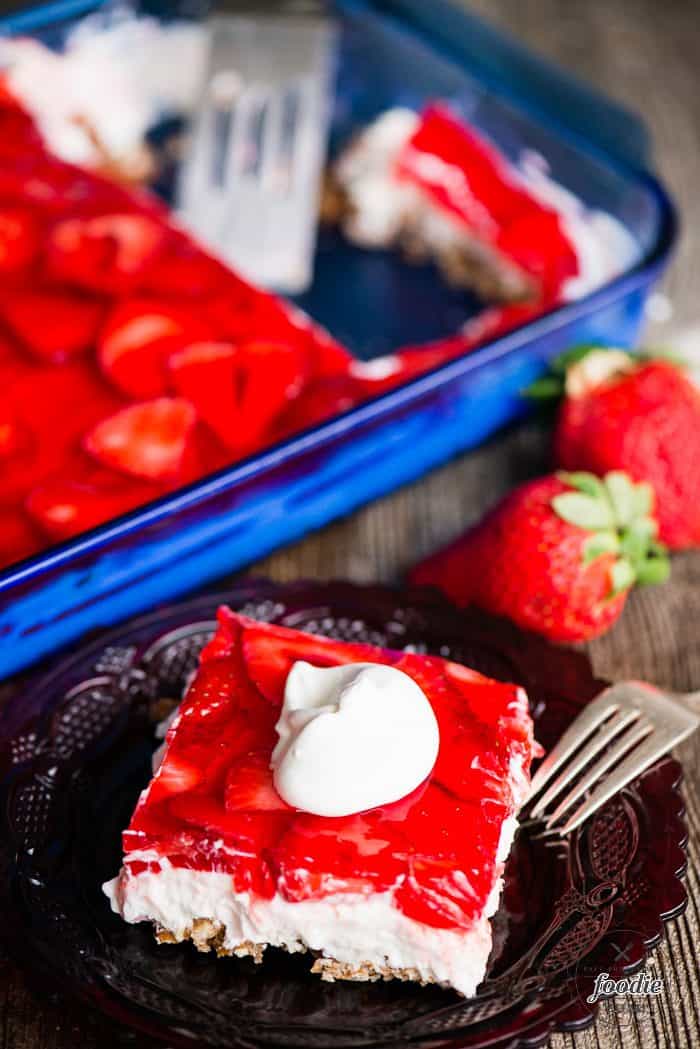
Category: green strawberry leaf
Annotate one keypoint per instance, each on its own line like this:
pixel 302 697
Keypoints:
pixel 551 386
pixel 585 511
pixel 584 482
pixel 617 514
pixel 560 365
pixel 647 526
pixel 621 492
pixel 600 543
pixel 623 576
pixel 546 388
pixel 654 570
pixel 634 546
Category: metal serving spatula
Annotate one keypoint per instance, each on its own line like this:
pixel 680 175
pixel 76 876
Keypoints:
pixel 250 186
pixel 615 739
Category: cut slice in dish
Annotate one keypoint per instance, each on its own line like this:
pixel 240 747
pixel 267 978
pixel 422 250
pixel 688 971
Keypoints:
pixel 214 854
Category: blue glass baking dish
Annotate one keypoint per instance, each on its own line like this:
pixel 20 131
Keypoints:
pixel 390 52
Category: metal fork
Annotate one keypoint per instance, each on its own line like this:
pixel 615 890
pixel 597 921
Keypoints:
pixel 250 182
pixel 614 740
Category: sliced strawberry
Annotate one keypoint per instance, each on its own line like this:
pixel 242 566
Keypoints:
pixel 183 270
pixel 272 375
pixel 250 831
pixel 53 408
pixel 320 400
pixel 174 776
pixel 239 392
pixel 138 338
pixel 318 856
pixel 146 440
pixel 104 253
pixel 448 873
pixel 53 326
pixel 64 508
pixel 249 786
pixel 206 373
pixel 269 655
pixel 241 314
pixel 20 240
pixel 300 883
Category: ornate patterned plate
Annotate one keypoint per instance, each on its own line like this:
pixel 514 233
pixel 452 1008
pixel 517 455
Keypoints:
pixel 75 750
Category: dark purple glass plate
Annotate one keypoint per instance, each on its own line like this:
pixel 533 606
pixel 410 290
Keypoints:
pixel 75 750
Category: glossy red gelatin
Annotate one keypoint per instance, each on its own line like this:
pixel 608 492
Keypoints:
pixel 132 362
pixel 467 177
pixel 212 805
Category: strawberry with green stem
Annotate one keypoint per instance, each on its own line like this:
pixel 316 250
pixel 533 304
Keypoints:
pixel 638 413
pixel 558 555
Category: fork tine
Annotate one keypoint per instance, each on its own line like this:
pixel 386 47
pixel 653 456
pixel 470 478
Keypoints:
pixel 634 765
pixel 586 723
pixel 597 742
pixel 607 761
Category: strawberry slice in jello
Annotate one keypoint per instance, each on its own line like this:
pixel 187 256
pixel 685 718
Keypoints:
pixel 105 253
pixel 146 440
pixel 214 853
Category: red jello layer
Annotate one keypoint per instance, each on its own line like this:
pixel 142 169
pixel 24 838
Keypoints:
pixel 132 362
pixel 212 806
pixel 105 305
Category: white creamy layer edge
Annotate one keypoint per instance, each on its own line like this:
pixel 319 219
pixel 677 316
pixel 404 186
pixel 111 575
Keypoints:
pixel 348 928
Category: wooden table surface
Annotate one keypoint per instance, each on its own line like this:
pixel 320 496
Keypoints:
pixel 647 55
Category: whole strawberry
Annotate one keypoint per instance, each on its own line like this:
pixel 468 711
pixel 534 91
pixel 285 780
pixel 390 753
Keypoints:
pixel 557 556
pixel 641 416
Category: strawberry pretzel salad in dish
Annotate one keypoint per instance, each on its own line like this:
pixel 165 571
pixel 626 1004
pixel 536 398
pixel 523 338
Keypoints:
pixel 134 362
pixel 351 801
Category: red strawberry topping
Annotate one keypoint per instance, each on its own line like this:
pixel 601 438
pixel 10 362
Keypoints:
pixel 147 440
pixel 107 253
pixel 206 373
pixel 474 183
pixel 54 326
pixel 249 786
pixel 105 302
pixel 20 240
pixel 64 508
pixel 213 804
pixel 18 538
pixel 137 340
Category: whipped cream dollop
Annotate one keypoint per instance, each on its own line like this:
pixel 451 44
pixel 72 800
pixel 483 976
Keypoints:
pixel 352 737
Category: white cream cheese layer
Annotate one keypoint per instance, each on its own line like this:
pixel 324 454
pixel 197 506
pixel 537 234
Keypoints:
pixel 352 929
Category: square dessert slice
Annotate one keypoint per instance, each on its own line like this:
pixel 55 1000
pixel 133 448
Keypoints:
pixel 349 800
pixel 439 188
